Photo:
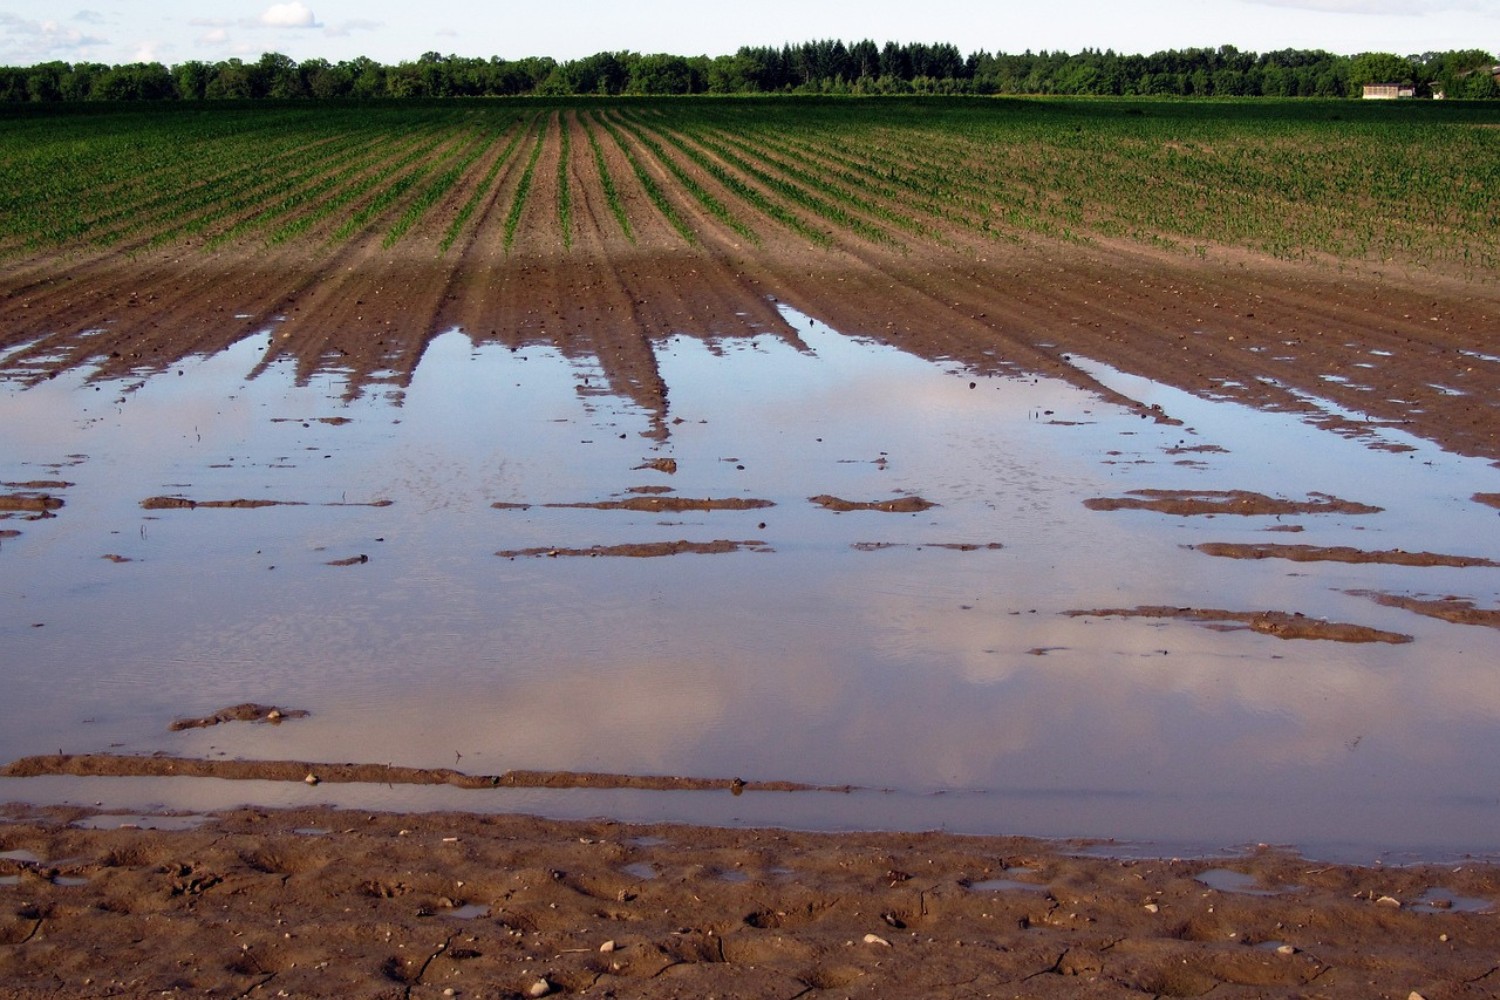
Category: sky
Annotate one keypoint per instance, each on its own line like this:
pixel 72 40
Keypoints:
pixel 390 31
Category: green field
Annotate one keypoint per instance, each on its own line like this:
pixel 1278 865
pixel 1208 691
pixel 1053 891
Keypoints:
pixel 1412 181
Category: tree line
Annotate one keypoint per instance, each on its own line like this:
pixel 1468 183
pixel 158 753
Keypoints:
pixel 819 67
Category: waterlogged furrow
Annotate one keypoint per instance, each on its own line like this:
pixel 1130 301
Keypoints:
pixel 648 183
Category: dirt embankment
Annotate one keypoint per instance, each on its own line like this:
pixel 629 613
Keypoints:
pixel 322 903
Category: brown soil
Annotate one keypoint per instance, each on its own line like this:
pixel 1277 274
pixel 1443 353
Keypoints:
pixel 321 903
pixel 1188 503
pixel 652 504
pixel 954 546
pixel 182 503
pixel 160 765
pixel 1459 610
pixel 1281 624
pixel 641 550
pixel 28 503
pixel 904 505
pixel 1337 553
pixel 247 712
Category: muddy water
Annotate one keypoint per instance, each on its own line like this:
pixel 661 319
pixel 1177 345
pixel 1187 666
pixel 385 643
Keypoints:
pixel 904 653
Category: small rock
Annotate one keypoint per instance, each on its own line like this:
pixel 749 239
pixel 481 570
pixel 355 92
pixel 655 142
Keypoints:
pixel 1152 908
pixel 877 939
pixel 540 988
pixel 1391 901
pixel 274 714
pixel 1414 995
pixel 1286 949
pixel 607 947
pixel 311 779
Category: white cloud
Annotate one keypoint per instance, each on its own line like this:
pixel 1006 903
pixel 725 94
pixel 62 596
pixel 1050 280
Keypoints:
pixel 90 17
pixel 214 36
pixel 149 51
pixel 295 14
pixel 23 41
pixel 346 28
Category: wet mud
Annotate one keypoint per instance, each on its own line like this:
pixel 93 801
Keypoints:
pixel 1189 503
pixel 322 903
pixel 183 503
pixel 639 550
pixel 901 505
pixel 653 504
pixel 246 712
pixel 1337 553
pixel 1281 624
pixel 160 765
pixel 1458 610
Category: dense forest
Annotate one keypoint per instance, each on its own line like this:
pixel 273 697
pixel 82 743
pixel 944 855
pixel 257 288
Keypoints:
pixel 820 67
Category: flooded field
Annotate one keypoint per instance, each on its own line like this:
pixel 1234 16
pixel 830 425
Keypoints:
pixel 989 603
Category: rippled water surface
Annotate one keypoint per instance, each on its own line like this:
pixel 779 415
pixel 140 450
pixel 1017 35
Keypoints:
pixel 924 657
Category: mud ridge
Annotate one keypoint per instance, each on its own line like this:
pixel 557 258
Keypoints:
pixel 1189 503
pixel 1281 624
pixel 640 550
pixel 117 765
pixel 1337 553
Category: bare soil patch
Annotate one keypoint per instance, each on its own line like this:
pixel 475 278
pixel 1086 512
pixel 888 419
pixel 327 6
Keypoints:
pixel 29 503
pixel 323 903
pixel 161 765
pixel 1459 610
pixel 246 712
pixel 1337 553
pixel 639 550
pixel 902 505
pixel 1188 503
pixel 651 504
pixel 1281 624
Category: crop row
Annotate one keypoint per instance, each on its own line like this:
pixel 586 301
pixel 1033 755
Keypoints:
pixel 1322 178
